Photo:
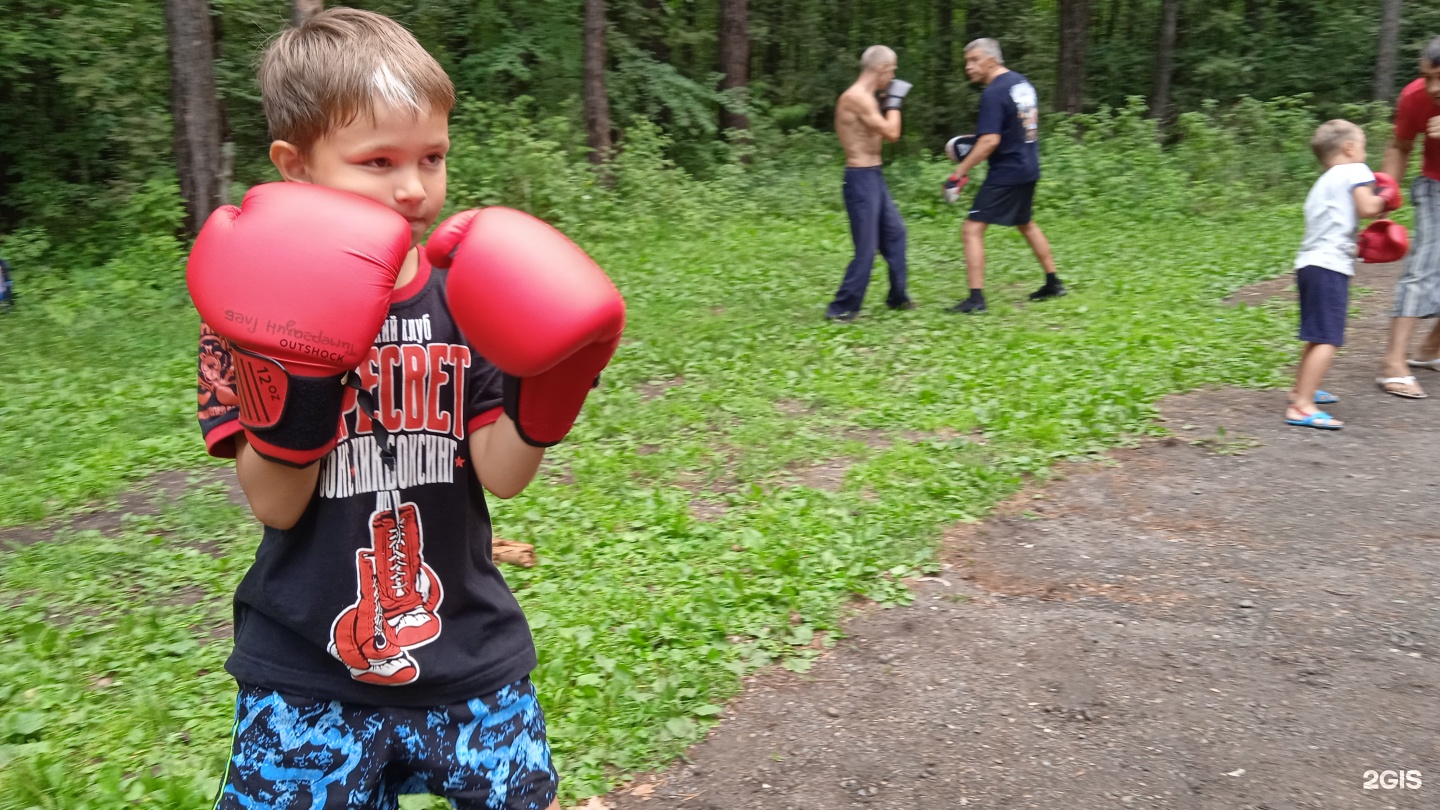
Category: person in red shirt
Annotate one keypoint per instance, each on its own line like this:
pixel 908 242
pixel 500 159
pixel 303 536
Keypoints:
pixel 1417 295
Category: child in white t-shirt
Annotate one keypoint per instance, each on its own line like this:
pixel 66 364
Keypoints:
pixel 1337 202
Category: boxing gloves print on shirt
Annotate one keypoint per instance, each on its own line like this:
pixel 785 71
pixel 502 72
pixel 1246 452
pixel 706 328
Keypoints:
pixel 534 304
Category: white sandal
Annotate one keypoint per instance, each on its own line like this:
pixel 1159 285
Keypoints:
pixel 1433 365
pixel 1410 380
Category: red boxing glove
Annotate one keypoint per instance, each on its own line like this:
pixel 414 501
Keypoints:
pixel 297 281
pixel 1388 190
pixel 534 304
pixel 1383 241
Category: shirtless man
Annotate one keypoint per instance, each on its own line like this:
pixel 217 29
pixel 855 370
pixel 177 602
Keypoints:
pixel 875 222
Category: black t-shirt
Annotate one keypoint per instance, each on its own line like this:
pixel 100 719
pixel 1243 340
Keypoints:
pixel 1009 108
pixel 384 593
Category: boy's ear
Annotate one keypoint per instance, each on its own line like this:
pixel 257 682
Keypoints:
pixel 289 161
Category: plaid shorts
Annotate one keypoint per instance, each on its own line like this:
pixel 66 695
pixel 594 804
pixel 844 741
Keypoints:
pixel 1417 295
pixel 292 753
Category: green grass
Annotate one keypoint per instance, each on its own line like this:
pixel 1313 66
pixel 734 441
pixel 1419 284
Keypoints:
pixel 728 389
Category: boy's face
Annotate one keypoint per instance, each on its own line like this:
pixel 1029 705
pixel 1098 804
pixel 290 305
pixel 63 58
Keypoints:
pixel 397 159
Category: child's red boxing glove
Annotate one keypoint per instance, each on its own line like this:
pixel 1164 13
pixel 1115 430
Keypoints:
pixel 1383 241
pixel 534 304
pixel 1388 190
pixel 297 281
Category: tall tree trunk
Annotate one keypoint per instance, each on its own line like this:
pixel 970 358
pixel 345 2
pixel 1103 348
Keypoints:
pixel 1254 13
pixel 597 101
pixel 977 22
pixel 1165 60
pixel 1384 87
pixel 195 108
pixel 775 24
pixel 655 30
pixel 945 79
pixel 945 35
pixel 305 9
pixel 1074 43
pixel 734 56
pixel 688 50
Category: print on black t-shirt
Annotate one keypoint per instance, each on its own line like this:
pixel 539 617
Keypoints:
pixel 419 394
pixel 1027 109
pixel 1010 108
pixel 386 580
pixel 399 594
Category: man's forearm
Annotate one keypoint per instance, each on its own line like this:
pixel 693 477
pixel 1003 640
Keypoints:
pixel 982 150
pixel 1396 159
pixel 891 132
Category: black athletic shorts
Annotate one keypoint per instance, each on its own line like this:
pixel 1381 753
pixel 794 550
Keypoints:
pixel 1324 303
pixel 1003 205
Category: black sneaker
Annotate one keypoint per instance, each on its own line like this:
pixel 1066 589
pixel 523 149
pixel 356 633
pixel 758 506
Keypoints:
pixel 970 306
pixel 841 317
pixel 1052 289
pixel 902 307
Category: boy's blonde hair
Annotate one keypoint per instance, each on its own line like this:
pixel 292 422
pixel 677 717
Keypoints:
pixel 340 64
pixel 1331 136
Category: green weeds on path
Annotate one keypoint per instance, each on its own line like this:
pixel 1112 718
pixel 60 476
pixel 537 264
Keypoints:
pixel 744 471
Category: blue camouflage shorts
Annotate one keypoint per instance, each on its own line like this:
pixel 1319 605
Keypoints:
pixel 294 753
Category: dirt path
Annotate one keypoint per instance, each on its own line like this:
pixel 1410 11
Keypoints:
pixel 1183 629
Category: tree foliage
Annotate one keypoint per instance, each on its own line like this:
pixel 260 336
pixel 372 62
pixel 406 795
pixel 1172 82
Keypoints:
pixel 85 115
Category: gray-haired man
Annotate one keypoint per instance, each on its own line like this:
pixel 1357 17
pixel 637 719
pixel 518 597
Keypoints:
pixel 1009 137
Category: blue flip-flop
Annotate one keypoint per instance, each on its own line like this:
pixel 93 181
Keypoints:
pixel 1325 398
pixel 1319 420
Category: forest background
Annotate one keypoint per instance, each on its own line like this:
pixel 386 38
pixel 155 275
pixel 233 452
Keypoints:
pixel 90 119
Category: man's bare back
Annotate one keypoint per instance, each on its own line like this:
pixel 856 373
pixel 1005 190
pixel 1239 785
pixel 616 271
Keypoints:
pixel 855 115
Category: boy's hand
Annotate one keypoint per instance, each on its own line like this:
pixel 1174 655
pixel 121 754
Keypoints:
pixel 531 302
pixel 1432 127
pixel 1388 190
pixel 298 281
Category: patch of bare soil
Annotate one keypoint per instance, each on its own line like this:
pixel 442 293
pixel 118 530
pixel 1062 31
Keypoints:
pixel 657 388
pixel 148 498
pixel 1234 624
pixel 1257 294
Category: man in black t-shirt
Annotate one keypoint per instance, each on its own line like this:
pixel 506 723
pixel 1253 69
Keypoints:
pixel 1009 137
